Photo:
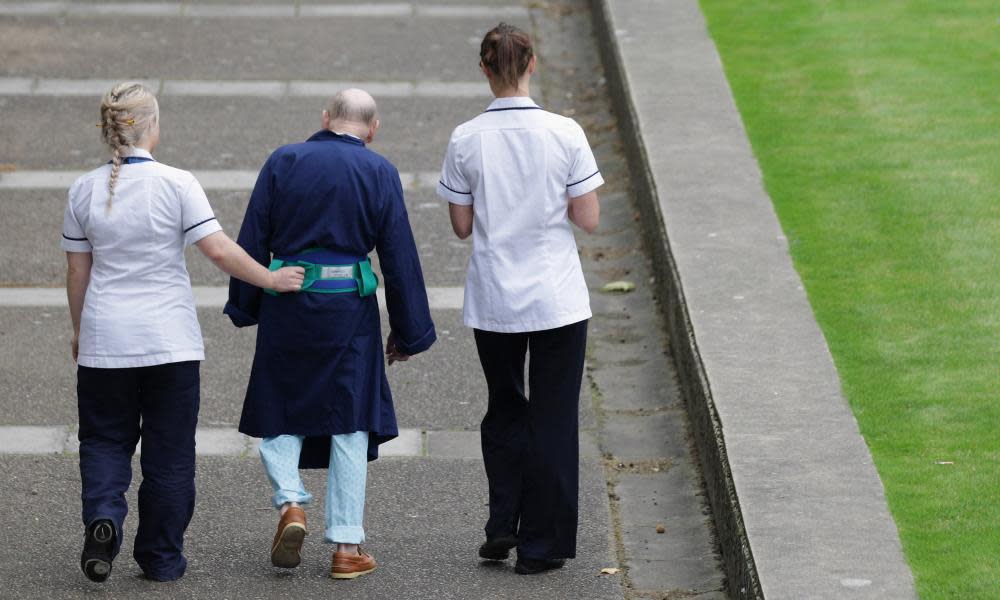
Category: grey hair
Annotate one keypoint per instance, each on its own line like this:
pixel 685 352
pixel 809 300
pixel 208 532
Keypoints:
pixel 353 106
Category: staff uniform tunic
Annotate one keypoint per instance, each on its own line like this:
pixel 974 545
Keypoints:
pixel 319 368
pixel 139 309
pixel 518 165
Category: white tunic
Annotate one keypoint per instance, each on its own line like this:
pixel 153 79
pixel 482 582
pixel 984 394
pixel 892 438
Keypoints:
pixel 518 166
pixel 139 309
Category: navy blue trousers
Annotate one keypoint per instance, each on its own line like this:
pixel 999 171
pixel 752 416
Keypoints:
pixel 531 446
pixel 160 404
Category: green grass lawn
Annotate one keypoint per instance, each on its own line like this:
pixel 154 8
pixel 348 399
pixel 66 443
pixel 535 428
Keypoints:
pixel 877 126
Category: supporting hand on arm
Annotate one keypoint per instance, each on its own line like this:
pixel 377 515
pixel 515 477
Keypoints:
pixel 231 258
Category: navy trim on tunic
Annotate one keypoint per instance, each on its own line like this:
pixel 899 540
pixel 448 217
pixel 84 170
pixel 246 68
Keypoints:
pixel 454 190
pixel 582 180
pixel 129 160
pixel 514 108
pixel 199 223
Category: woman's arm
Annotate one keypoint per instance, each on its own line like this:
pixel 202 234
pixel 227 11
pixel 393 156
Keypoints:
pixel 461 219
pixel 77 279
pixel 232 259
pixel 585 211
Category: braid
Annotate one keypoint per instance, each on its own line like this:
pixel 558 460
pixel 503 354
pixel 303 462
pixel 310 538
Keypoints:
pixel 128 111
pixel 116 167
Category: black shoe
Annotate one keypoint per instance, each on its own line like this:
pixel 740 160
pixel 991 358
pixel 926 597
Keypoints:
pixel 98 550
pixel 533 566
pixel 497 548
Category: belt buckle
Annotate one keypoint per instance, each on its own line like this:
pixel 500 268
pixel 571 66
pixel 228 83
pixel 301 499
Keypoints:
pixel 336 272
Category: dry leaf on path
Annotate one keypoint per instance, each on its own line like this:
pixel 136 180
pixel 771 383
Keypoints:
pixel 609 571
pixel 618 286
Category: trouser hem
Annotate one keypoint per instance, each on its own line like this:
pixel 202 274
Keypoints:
pixel 344 534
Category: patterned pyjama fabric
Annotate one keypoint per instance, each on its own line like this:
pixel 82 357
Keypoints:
pixel 345 485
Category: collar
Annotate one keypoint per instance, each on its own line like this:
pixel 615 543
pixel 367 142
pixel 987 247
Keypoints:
pixel 139 152
pixel 350 135
pixel 513 103
pixel 324 135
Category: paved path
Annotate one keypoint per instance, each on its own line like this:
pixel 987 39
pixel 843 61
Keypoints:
pixel 237 80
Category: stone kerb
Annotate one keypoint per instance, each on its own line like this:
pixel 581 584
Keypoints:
pixel 799 509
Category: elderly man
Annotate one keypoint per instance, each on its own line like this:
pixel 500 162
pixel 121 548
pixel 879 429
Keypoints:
pixel 318 395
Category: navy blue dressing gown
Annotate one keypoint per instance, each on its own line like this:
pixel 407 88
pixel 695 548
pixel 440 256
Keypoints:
pixel 319 369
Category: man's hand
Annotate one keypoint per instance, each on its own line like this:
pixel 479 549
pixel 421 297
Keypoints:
pixel 74 345
pixel 287 279
pixel 392 352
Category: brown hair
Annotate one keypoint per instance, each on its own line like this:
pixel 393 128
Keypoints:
pixel 128 111
pixel 506 51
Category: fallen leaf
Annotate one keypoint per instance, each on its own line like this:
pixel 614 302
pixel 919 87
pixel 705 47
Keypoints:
pixel 618 286
pixel 661 529
pixel 609 571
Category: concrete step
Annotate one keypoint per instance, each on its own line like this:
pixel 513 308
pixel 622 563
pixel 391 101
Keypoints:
pixel 34 219
pixel 441 389
pixel 223 133
pixel 397 48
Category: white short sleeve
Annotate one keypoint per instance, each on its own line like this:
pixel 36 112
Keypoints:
pixel 74 238
pixel 197 217
pixel 584 176
pixel 453 185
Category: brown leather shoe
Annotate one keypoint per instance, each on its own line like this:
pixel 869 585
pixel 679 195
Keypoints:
pixel 288 539
pixel 349 566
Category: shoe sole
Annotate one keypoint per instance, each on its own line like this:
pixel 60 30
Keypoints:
pixel 95 566
pixel 97 570
pixel 286 554
pixel 522 570
pixel 351 575
pixel 502 551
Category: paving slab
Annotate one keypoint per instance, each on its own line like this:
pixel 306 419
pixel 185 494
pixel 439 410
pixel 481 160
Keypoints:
pixel 454 444
pixel 218 48
pixel 424 522
pixel 35 222
pixel 222 133
pixel 659 435
pixel 440 389
pixel 759 373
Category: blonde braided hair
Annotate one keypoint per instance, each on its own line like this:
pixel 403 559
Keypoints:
pixel 128 111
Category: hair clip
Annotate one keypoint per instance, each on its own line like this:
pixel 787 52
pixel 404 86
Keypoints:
pixel 130 122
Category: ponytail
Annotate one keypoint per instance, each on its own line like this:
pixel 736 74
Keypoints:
pixel 506 52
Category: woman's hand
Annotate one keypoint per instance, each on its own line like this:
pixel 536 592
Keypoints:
pixel 287 279
pixel 392 351
pixel 74 345
pixel 231 258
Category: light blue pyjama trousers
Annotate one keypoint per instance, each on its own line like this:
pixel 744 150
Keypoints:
pixel 345 483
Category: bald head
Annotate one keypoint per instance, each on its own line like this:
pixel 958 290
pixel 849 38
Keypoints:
pixel 352 106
